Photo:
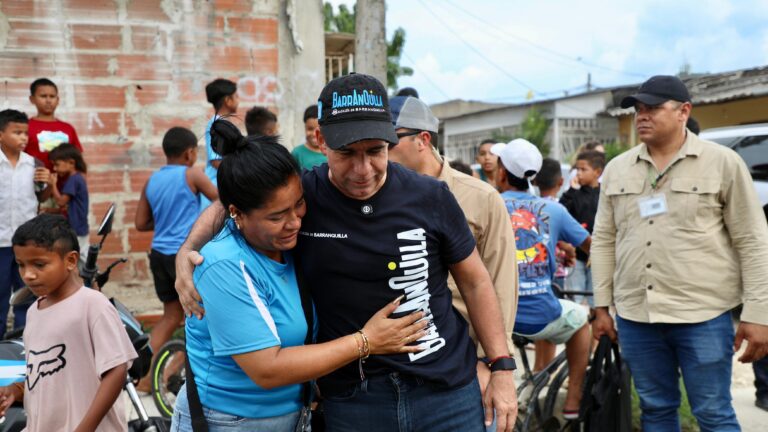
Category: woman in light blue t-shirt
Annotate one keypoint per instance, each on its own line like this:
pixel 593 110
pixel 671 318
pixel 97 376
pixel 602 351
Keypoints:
pixel 247 353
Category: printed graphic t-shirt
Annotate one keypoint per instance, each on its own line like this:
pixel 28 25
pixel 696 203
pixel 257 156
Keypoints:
pixel 69 346
pixel 45 136
pixel 251 303
pixel 77 208
pixel 359 255
pixel 539 224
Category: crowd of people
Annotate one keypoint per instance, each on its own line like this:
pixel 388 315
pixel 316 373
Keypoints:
pixel 391 278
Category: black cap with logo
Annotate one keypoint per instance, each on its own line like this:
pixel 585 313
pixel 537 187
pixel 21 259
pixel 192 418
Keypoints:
pixel 353 108
pixel 657 90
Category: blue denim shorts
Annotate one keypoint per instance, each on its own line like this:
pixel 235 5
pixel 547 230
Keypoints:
pixel 223 422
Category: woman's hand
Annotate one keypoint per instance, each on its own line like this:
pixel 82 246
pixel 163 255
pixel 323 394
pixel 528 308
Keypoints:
pixel 392 335
pixel 9 395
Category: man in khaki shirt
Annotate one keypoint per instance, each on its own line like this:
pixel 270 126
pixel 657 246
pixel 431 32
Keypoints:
pixel 679 241
pixel 482 206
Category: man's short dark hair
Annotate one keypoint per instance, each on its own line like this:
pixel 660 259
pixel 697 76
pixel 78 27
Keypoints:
pixel 217 90
pixel 408 91
pixel 257 119
pixel 49 231
pixel 310 113
pixel 40 82
pixel 594 158
pixel 549 174
pixel 461 166
pixel 516 182
pixel 12 116
pixel 693 125
pixel 178 140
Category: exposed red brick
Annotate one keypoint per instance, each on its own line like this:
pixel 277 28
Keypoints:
pixel 257 30
pixel 232 6
pixel 149 10
pixel 25 65
pixel 35 36
pixel 160 125
pixel 143 67
pixel 107 154
pixel 130 212
pixel 146 38
pixel 112 245
pixel 139 241
pixel 102 9
pixel 98 210
pixel 16 93
pixel 93 36
pixel 25 8
pixel 99 96
pixel 138 179
pixel 147 94
pixel 105 181
pixel 83 65
pixel 94 122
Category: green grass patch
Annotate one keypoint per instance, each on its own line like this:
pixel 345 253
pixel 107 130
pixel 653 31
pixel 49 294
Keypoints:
pixel 687 421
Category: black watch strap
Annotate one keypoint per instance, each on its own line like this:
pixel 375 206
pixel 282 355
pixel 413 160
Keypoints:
pixel 503 364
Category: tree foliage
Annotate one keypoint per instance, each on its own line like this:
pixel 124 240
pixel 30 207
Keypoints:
pixel 534 128
pixel 344 21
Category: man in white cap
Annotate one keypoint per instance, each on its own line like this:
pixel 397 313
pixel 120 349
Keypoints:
pixel 539 224
pixel 416 129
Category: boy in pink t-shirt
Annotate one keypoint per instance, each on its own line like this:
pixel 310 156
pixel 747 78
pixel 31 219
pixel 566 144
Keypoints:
pixel 77 351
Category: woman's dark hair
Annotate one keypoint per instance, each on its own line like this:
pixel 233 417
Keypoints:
pixel 66 152
pixel 252 168
pixel 47 231
pixel 219 89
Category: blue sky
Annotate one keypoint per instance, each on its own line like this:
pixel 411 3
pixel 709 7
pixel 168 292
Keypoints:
pixel 502 51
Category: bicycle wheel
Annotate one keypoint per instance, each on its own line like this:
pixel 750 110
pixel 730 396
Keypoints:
pixel 554 391
pixel 168 375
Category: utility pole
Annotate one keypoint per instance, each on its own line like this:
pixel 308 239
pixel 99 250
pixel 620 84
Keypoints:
pixel 370 39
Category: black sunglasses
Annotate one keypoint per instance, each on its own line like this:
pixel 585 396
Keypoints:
pixel 401 135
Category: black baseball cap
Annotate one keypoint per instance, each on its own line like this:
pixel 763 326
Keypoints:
pixel 657 90
pixel 353 108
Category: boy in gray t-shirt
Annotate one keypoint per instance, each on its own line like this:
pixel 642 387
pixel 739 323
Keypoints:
pixel 77 351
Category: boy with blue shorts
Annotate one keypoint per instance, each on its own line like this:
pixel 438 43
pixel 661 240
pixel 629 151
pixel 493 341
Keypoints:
pixel 539 224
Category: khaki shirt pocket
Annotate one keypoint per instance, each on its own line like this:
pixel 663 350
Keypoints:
pixel 693 200
pixel 623 195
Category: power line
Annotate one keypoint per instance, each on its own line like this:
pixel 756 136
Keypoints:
pixel 426 77
pixel 475 50
pixel 543 48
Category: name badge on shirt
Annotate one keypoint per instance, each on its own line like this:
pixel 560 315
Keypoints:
pixel 653 205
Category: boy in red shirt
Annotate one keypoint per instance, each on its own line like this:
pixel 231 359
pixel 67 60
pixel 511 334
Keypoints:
pixel 46 132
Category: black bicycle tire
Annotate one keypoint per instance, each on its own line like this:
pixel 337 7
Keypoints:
pixel 158 365
pixel 533 398
pixel 554 390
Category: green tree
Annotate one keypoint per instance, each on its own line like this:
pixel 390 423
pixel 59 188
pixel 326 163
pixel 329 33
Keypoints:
pixel 534 128
pixel 344 22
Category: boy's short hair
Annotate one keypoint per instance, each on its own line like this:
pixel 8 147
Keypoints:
pixel 460 166
pixel 549 174
pixel 40 82
pixel 310 113
pixel 12 116
pixel 594 158
pixel 219 89
pixel 178 140
pixel 49 231
pixel 257 119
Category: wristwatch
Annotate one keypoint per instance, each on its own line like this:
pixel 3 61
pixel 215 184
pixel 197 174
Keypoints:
pixel 503 364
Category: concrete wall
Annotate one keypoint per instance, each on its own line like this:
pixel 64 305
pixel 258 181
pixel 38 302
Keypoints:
pixel 128 70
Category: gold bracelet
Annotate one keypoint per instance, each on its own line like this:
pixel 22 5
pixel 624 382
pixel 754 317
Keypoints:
pixel 359 344
pixel 366 351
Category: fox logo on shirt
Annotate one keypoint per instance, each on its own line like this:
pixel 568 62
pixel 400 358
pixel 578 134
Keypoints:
pixel 44 363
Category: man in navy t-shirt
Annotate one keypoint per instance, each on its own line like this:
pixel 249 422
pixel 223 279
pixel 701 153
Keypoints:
pixel 539 224
pixel 374 231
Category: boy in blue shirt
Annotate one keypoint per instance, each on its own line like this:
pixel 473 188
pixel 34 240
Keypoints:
pixel 222 94
pixel 539 224
pixel 169 205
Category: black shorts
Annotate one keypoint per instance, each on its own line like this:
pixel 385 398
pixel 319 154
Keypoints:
pixel 163 269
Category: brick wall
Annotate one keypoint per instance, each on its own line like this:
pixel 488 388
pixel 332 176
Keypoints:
pixel 127 70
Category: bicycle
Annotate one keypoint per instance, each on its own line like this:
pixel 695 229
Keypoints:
pixel 168 374
pixel 532 414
